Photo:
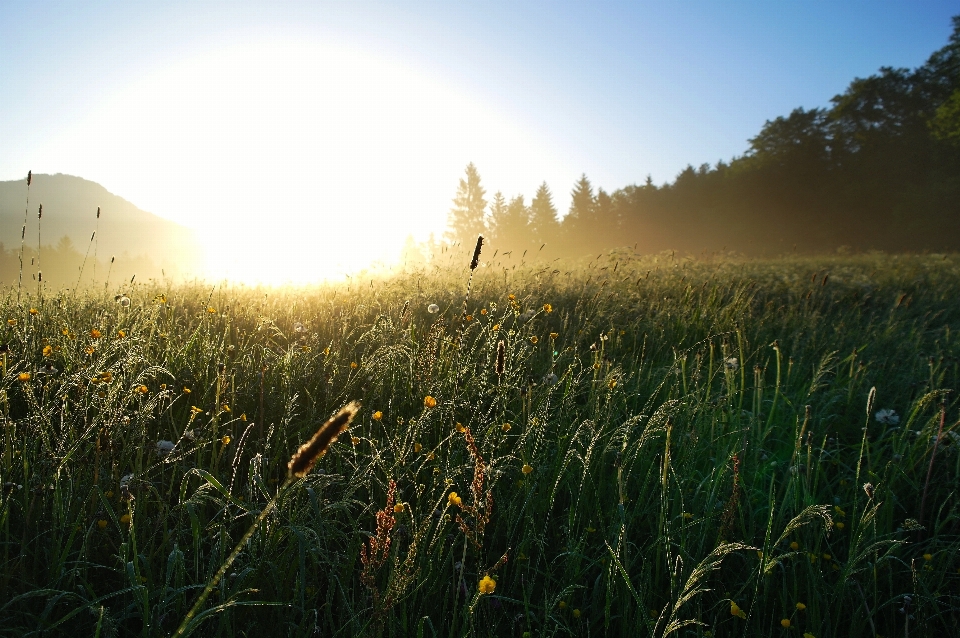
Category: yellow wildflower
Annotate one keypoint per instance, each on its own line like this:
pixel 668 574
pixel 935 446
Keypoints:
pixel 23 376
pixel 34 311
pixel 576 612
pixel 125 519
pixel 547 307
pixel 785 623
pixel 526 469
pixel 95 334
pixel 736 611
pixel 90 350
pixel 469 317
pixel 839 525
pixel 928 557
pixel 483 311
pixel 102 524
pixel 505 427
pixel 429 401
pixel 226 408
pixel 562 604
pixel 455 499
pixel 801 606
pixel 211 310
pixel 121 334
pixel 487 585
pixel 496 327
pixel 354 440
pixel 808 635
pixel 226 440
pixel 534 340
pixel 141 389
pixel 554 335
pixel 431 456
pixel 417 447
pixel 398 508
pixel 511 297
pixel 195 409
pixel 186 390
pixel 794 545
pixel 47 351
pixel 687 516
pixel 377 415
pixel 11 322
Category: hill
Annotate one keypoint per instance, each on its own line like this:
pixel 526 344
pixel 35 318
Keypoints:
pixel 132 235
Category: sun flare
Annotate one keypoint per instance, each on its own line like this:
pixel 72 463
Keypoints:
pixel 294 161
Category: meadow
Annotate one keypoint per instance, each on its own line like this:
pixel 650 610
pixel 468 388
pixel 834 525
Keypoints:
pixel 626 446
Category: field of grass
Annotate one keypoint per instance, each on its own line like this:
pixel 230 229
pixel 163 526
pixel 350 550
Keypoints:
pixel 670 447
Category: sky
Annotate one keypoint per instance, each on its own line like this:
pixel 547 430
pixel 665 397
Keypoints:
pixel 305 139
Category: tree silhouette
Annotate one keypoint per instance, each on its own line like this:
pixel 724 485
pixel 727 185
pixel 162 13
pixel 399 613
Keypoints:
pixel 466 218
pixel 544 224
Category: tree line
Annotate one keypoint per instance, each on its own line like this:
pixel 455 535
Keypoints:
pixel 878 170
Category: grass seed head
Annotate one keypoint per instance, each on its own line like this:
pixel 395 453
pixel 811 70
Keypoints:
pixel 303 460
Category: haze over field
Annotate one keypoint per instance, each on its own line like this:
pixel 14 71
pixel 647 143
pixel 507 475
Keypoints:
pixel 302 142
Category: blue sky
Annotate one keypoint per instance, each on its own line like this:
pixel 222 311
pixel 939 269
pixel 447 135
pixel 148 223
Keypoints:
pixel 546 91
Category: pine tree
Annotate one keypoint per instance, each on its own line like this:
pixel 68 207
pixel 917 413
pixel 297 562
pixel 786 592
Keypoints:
pixel 544 224
pixel 576 225
pixel 466 218
pixel 510 223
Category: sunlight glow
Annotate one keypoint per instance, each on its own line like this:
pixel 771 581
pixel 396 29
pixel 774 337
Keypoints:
pixel 294 161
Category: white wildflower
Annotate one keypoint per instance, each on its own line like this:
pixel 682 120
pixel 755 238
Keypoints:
pixel 732 364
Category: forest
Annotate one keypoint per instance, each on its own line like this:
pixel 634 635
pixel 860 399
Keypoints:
pixel 878 170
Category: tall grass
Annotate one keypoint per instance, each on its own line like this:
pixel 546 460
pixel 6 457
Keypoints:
pixel 670 447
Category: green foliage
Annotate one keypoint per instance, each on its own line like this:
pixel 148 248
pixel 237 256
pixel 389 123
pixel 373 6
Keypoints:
pixel 673 447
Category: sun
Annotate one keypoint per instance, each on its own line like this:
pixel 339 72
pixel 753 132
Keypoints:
pixel 294 161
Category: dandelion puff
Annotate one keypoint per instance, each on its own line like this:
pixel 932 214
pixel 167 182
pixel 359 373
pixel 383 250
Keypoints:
pixel 887 417
pixel 303 460
pixel 164 448
pixel 732 364
pixel 433 309
pixel 550 379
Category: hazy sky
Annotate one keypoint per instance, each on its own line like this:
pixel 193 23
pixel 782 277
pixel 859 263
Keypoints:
pixel 317 128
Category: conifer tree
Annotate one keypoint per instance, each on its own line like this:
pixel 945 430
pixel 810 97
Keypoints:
pixel 544 225
pixel 466 219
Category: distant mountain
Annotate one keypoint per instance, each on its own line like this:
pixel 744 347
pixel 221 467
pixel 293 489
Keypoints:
pixel 70 210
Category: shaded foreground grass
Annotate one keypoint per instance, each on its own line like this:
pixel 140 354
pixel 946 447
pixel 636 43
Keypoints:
pixel 672 448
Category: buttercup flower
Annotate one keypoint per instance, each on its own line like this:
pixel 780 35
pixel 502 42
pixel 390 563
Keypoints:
pixel 487 585
pixel 455 499
pixel 429 401
pixel 785 623
pixel 736 611
pixel 377 415
pixel 547 307
pixel 526 469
